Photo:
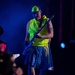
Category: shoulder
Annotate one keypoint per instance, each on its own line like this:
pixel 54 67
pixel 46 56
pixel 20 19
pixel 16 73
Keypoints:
pixel 3 44
pixel 45 17
pixel 31 21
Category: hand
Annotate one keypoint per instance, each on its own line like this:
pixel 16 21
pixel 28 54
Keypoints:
pixel 39 35
pixel 26 43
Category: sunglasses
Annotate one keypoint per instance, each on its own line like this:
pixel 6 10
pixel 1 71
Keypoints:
pixel 35 12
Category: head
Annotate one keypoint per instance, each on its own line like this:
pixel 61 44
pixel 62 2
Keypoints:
pixel 6 63
pixel 36 12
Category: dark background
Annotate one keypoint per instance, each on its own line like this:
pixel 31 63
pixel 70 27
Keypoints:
pixel 14 15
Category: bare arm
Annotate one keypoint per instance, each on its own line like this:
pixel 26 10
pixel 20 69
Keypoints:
pixel 50 32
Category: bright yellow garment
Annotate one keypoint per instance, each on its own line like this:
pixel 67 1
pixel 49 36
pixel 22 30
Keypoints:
pixel 33 28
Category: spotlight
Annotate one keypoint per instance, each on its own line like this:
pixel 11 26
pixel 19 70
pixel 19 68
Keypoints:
pixel 62 45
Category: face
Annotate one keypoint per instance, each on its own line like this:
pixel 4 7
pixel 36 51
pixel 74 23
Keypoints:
pixel 37 15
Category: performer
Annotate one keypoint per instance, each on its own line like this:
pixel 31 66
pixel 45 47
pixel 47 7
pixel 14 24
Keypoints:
pixel 38 56
pixel 2 44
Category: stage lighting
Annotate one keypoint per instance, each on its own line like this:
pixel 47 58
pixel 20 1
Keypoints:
pixel 62 45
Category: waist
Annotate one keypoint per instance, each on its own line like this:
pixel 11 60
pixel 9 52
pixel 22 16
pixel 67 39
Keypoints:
pixel 41 42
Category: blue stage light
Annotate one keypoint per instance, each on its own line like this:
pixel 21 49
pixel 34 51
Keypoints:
pixel 62 45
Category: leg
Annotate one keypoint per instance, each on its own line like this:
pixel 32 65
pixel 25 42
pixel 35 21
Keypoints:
pixel 43 72
pixel 50 66
pixel 31 70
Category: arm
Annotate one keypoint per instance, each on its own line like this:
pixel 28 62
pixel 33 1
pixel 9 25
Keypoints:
pixel 27 34
pixel 3 47
pixel 50 32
